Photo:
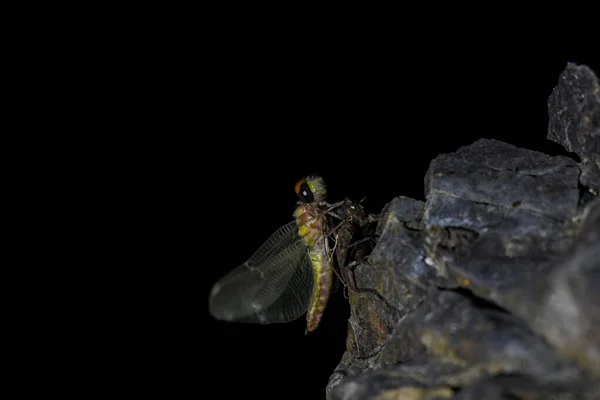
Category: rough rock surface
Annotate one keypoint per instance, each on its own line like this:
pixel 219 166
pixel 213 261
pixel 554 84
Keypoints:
pixel 574 111
pixel 491 288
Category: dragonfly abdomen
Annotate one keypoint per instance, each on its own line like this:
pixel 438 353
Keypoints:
pixel 311 222
pixel 323 278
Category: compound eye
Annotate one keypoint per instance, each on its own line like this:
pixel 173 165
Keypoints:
pixel 304 192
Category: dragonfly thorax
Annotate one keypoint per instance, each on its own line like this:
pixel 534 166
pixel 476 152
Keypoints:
pixel 311 223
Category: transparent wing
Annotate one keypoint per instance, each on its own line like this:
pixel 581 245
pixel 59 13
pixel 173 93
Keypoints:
pixel 274 285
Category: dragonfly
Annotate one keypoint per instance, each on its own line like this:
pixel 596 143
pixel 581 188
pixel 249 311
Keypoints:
pixel 292 272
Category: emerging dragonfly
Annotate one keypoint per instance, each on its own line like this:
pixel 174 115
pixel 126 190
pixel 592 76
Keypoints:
pixel 291 273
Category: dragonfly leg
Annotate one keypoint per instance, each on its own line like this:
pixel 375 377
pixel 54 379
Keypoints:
pixel 330 253
pixel 335 228
pixel 331 207
pixel 335 205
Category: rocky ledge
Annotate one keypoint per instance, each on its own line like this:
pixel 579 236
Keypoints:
pixel 491 288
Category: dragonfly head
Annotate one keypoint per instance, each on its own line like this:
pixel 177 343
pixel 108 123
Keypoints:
pixel 311 189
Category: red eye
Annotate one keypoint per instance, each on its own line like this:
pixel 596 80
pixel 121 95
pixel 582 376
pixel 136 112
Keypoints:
pixel 298 184
pixel 303 191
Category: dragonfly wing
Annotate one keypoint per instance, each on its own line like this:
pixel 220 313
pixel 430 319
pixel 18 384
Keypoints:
pixel 274 285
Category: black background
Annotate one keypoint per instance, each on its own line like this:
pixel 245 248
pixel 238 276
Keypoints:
pixel 197 124
pixel 368 113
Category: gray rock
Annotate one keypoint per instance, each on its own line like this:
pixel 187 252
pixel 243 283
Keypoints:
pixel 502 387
pixel 450 342
pixel 574 111
pixel 564 305
pixel 396 271
pixel 491 288
pixel 496 215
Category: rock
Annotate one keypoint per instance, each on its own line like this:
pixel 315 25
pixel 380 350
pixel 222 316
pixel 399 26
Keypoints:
pixel 396 271
pixel 564 308
pixel 449 342
pixel 523 387
pixel 496 215
pixel 574 111
pixel 491 288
